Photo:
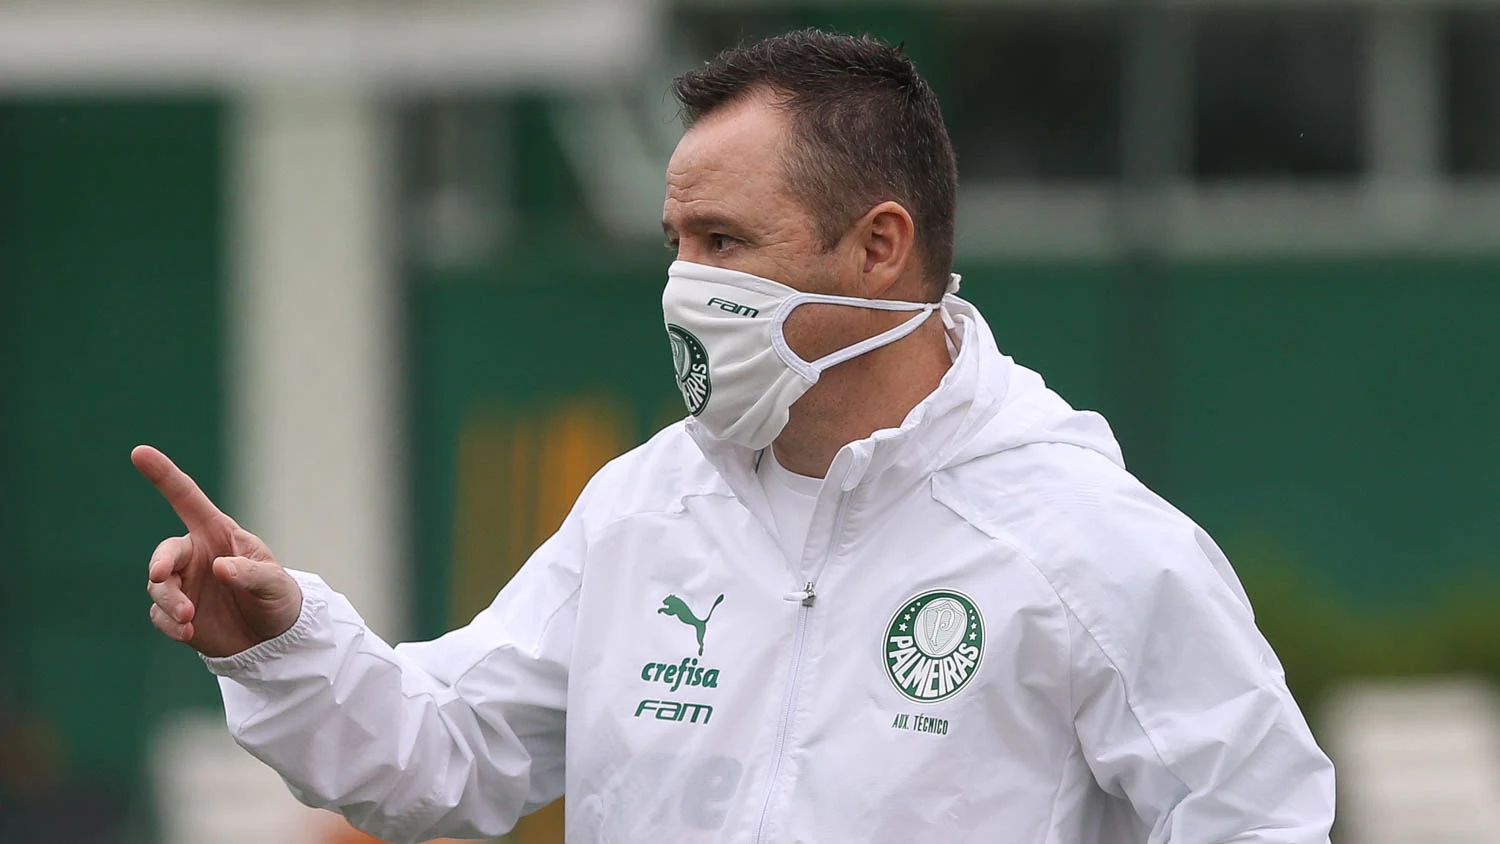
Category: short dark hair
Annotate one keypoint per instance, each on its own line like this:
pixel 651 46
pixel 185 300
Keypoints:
pixel 866 128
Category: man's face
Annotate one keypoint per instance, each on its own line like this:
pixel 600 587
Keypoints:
pixel 728 206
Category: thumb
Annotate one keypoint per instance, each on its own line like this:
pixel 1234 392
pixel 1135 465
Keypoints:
pixel 266 581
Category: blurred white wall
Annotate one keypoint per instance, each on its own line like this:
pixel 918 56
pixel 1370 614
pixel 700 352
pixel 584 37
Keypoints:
pixel 1418 760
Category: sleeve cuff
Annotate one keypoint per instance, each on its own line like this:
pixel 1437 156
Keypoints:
pixel 237 665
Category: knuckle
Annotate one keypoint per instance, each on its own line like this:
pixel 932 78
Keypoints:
pixel 163 622
pixel 169 550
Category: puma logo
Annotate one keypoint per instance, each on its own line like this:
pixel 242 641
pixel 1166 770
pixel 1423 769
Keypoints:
pixel 674 606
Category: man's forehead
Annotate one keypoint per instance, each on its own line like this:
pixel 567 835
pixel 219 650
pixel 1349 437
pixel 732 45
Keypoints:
pixel 725 166
pixel 743 137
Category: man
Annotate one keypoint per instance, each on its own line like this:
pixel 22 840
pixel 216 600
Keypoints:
pixel 883 585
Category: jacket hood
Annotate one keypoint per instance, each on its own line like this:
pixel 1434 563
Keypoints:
pixel 985 404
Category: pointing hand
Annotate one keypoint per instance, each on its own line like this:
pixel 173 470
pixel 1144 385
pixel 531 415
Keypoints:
pixel 218 588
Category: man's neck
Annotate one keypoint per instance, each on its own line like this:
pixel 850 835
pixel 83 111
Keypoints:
pixel 855 399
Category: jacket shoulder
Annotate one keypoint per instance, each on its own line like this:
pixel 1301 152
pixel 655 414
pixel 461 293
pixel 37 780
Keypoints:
pixel 653 477
pixel 1117 554
pixel 1046 495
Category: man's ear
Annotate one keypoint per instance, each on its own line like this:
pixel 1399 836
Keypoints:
pixel 886 238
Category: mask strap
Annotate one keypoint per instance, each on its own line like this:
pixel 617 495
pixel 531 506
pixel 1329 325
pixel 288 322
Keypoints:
pixel 810 370
pixel 883 338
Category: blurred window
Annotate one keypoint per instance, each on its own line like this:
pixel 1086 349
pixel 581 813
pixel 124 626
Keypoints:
pixel 1278 93
pixel 1473 93
pixel 1034 95
pixel 1028 94
pixel 456 187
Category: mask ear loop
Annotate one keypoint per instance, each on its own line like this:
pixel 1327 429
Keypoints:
pixel 882 339
pixel 810 370
pixel 949 323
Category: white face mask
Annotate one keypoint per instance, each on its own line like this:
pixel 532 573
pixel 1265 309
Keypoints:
pixel 735 370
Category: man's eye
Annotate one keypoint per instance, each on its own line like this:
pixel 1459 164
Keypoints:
pixel 720 242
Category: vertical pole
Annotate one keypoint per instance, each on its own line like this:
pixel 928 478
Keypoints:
pixel 1155 141
pixel 1404 124
pixel 316 450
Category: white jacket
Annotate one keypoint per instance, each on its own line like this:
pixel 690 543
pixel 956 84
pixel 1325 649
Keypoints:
pixel 1009 639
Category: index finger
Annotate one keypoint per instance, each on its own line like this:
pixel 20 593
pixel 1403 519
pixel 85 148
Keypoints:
pixel 191 504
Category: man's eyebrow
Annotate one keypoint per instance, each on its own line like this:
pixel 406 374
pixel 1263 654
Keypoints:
pixel 697 222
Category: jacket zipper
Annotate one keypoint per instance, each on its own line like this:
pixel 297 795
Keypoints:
pixel 806 597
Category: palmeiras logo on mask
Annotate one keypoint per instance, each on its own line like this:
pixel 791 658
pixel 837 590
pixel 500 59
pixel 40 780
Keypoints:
pixel 690 360
pixel 933 645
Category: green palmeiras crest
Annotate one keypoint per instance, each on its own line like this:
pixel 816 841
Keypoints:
pixel 690 360
pixel 933 645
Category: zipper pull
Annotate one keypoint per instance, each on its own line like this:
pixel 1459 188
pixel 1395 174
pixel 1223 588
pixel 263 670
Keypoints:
pixel 805 595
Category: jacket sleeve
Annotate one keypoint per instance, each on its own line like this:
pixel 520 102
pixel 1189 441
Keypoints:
pixel 1182 709
pixel 455 737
